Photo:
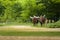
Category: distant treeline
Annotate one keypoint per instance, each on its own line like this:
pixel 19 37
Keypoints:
pixel 20 10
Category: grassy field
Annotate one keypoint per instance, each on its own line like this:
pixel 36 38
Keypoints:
pixel 28 33
pixel 12 32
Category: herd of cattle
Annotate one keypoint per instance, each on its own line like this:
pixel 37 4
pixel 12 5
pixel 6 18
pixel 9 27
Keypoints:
pixel 41 20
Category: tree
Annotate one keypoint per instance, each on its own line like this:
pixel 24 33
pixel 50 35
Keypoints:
pixel 17 10
pixel 52 8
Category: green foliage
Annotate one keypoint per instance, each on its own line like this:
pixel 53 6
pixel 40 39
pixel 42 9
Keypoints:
pixel 23 9
pixel 53 7
pixel 54 25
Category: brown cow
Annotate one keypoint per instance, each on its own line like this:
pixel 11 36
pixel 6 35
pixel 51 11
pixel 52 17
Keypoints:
pixel 34 20
pixel 42 20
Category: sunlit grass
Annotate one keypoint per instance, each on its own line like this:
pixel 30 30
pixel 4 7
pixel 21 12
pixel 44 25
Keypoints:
pixel 27 33
pixel 19 32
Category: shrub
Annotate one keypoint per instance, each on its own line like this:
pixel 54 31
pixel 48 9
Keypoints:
pixel 54 25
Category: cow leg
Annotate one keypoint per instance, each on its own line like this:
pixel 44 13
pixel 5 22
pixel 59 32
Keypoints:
pixel 41 23
pixel 34 23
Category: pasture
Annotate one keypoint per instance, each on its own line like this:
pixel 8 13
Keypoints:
pixel 28 31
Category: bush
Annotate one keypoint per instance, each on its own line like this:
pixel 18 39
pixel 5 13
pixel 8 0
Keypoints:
pixel 2 24
pixel 54 25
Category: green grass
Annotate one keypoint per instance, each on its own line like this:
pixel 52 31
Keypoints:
pixel 54 25
pixel 24 33
pixel 4 32
pixel 14 23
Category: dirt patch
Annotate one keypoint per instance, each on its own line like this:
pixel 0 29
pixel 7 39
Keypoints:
pixel 28 28
pixel 28 38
